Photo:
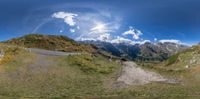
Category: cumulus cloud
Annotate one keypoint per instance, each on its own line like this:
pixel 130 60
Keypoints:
pixel 155 39
pixel 90 25
pixel 143 42
pixel 170 41
pixel 121 40
pixel 103 37
pixel 128 41
pixel 67 17
pixel 134 32
pixel 72 30
pixel 102 28
pixel 61 31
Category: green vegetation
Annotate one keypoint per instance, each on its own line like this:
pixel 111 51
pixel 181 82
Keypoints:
pixel 9 53
pixel 92 64
pixel 29 75
pixel 174 67
pixel 172 59
pixel 50 42
pixel 88 76
pixel 183 60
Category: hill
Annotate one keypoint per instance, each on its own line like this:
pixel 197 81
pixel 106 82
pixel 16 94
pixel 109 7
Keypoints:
pixel 50 42
pixel 185 59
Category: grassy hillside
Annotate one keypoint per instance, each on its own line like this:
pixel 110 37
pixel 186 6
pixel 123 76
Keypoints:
pixel 186 59
pixel 50 42
pixel 183 66
pixel 183 61
pixel 28 75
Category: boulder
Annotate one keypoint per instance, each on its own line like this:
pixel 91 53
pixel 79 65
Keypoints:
pixel 1 55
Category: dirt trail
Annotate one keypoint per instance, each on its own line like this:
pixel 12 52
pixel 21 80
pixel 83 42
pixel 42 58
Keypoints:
pixel 133 75
pixel 51 53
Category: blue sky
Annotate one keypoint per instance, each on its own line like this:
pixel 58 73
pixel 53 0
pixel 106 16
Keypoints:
pixel 134 21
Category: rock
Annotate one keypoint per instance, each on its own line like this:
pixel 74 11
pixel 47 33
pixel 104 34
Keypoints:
pixel 1 55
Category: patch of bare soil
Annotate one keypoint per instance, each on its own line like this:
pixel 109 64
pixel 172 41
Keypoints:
pixel 131 74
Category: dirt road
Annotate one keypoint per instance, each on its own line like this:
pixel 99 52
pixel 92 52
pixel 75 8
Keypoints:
pixel 51 53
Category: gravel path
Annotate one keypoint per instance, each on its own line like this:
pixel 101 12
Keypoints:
pixel 51 53
pixel 133 75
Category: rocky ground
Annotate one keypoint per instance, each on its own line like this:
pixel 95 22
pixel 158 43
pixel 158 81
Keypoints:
pixel 131 74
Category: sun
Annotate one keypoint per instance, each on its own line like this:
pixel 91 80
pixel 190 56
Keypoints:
pixel 100 27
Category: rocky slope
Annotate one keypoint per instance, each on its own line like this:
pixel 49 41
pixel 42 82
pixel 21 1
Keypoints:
pixel 140 52
pixel 185 59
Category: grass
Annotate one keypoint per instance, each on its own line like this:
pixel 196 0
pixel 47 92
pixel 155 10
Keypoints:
pixel 92 64
pixel 172 59
pixel 85 76
pixel 175 68
pixel 58 77
pixel 188 89
pixel 50 42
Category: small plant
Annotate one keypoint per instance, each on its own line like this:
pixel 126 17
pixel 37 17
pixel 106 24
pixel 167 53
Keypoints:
pixel 172 59
pixel 9 54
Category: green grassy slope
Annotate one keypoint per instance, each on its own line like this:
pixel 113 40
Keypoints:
pixel 28 75
pixel 186 59
pixel 50 42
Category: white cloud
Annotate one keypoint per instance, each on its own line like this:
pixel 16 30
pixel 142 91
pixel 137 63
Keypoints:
pixel 72 30
pixel 67 17
pixel 107 38
pixel 134 32
pixel 99 28
pixel 128 41
pixel 78 27
pixel 61 31
pixel 102 28
pixel 87 39
pixel 104 37
pixel 121 40
pixel 89 25
pixel 143 42
pixel 155 39
pixel 170 41
pixel 98 31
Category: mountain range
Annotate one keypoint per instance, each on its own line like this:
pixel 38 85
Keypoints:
pixel 140 52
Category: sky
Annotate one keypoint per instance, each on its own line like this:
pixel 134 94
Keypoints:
pixel 131 21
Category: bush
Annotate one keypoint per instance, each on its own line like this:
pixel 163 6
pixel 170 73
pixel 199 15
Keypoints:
pixel 172 59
